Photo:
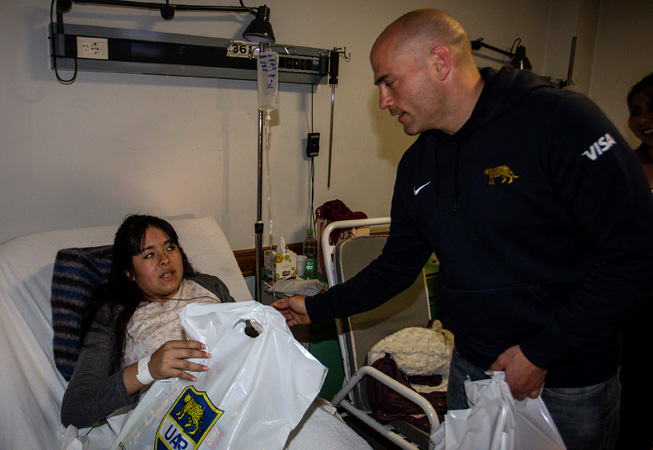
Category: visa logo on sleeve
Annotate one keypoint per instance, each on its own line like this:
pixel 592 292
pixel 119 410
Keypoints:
pixel 601 146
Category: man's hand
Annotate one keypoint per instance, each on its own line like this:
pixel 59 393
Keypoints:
pixel 524 378
pixel 293 309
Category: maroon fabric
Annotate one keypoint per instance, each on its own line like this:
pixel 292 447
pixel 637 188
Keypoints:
pixel 388 405
pixel 333 211
pixel 336 210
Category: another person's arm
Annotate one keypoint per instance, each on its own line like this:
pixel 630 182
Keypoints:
pixel 384 278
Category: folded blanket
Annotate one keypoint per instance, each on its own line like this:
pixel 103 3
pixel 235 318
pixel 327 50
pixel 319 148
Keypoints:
pixel 295 286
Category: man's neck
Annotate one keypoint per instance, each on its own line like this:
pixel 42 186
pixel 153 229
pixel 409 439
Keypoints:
pixel 465 102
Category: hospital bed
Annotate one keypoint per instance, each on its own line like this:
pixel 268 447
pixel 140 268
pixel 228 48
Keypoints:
pixel 31 386
pixel 357 334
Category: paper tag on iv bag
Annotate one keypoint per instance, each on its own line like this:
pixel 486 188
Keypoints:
pixel 268 81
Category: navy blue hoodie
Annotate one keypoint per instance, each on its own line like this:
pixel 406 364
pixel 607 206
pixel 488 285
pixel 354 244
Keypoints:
pixel 541 218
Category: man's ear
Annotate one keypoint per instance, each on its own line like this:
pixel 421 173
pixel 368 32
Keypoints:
pixel 440 58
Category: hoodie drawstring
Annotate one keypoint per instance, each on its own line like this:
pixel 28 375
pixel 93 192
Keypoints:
pixel 436 187
pixel 456 186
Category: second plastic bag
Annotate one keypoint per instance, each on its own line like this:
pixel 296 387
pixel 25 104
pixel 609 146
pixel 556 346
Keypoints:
pixel 496 421
pixel 256 391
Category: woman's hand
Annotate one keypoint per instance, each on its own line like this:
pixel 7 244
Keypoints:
pixel 170 360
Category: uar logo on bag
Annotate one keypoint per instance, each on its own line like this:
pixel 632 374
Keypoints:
pixel 188 423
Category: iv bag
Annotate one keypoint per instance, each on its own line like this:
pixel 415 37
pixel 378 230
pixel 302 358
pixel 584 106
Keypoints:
pixel 268 81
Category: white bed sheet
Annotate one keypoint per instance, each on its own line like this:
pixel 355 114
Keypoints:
pixel 31 387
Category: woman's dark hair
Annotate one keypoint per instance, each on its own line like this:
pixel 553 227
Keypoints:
pixel 644 85
pixel 120 294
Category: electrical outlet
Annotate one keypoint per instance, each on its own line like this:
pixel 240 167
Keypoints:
pixel 92 48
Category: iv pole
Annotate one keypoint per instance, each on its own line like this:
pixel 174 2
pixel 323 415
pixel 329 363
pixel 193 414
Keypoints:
pixel 333 81
pixel 267 67
pixel 258 226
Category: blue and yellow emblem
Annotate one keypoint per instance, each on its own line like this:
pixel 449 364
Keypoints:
pixel 188 421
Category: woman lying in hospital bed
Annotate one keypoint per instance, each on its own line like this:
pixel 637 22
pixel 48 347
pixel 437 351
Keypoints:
pixel 132 335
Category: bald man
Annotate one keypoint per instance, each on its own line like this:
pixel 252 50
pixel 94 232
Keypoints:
pixel 537 210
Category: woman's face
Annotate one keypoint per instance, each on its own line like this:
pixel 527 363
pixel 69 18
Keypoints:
pixel 640 120
pixel 158 268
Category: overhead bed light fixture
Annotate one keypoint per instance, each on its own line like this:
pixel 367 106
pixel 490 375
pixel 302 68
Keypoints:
pixel 259 30
pixel 518 58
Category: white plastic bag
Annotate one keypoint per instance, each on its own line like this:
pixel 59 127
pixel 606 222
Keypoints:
pixel 497 421
pixel 256 390
pixel 267 68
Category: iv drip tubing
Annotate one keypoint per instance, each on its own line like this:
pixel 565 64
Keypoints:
pixel 266 137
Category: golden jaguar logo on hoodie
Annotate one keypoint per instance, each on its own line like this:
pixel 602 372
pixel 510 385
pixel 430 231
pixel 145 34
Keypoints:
pixel 504 172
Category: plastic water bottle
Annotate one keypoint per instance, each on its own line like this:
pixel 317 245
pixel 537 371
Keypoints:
pixel 309 250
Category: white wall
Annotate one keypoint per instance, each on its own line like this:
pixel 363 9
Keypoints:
pixel 623 56
pixel 110 144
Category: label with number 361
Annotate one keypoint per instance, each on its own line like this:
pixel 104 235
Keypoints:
pixel 242 49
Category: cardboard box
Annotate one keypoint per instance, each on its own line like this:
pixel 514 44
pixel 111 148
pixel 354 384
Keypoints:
pixel 280 265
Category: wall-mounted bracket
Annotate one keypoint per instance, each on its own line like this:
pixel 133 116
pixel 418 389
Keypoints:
pixel 147 52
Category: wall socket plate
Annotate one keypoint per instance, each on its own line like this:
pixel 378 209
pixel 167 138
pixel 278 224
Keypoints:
pixel 92 47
